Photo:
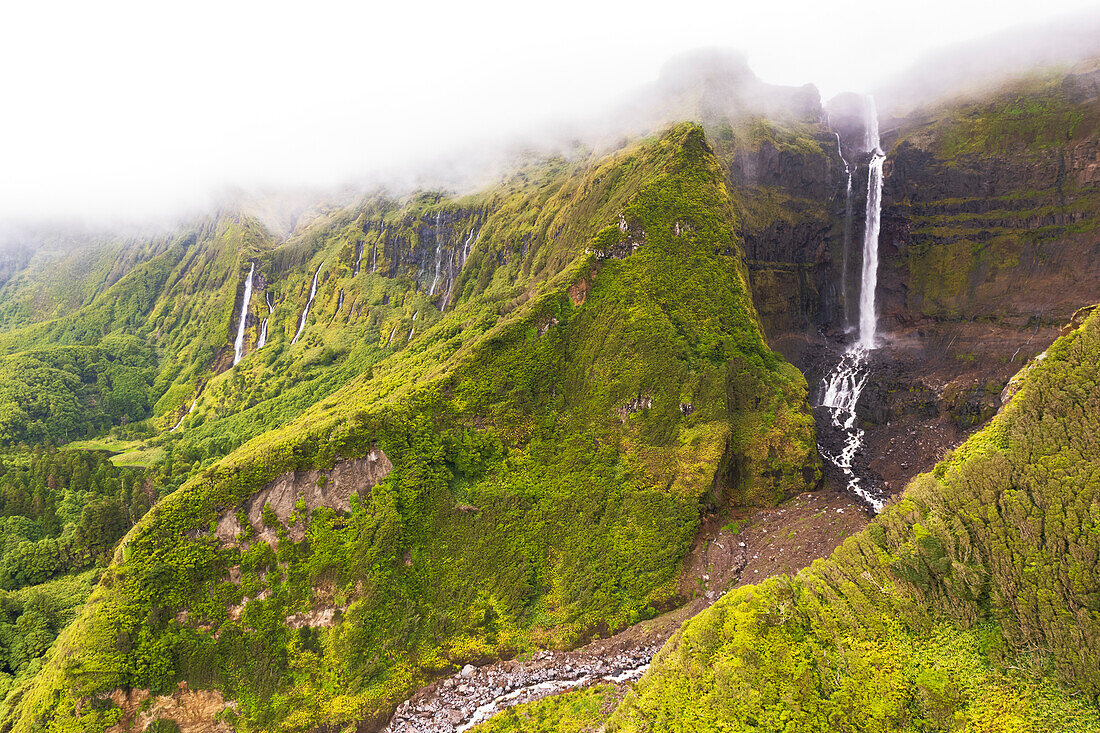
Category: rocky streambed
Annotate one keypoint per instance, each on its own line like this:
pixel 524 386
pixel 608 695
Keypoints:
pixel 726 554
pixel 475 694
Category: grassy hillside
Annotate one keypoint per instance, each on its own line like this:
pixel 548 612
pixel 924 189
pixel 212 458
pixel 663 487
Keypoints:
pixel 556 419
pixel 972 603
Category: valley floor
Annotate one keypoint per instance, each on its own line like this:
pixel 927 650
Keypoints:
pixel 726 554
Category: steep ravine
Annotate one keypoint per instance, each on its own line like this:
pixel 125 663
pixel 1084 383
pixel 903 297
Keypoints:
pixel 759 544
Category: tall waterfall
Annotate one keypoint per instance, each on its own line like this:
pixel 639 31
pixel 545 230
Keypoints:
pixel 309 304
pixel 358 258
pixel 841 388
pixel 238 345
pixel 263 326
pixel 870 231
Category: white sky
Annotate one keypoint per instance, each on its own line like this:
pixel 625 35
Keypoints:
pixel 134 109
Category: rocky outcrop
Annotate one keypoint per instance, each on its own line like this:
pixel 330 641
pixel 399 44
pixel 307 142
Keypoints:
pixel 193 711
pixel 640 402
pixel 290 497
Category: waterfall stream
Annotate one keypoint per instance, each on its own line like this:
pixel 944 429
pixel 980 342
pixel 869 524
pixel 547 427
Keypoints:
pixel 238 345
pixel 193 406
pixel 461 263
pixel 438 255
pixel 358 258
pixel 263 326
pixel 309 303
pixel 869 280
pixel 842 387
pixel 540 690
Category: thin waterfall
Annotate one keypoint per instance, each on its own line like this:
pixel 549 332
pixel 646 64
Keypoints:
pixel 374 259
pixel 461 263
pixel 263 326
pixel 358 258
pixel 466 247
pixel 238 345
pixel 339 301
pixel 193 405
pixel 847 234
pixel 438 255
pixel 309 303
pixel 841 388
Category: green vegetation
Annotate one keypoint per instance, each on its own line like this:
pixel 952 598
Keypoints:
pixel 582 711
pixel 957 607
pixel 54 394
pixel 597 377
pixel 63 511
pixel 31 618
pixel 588 376
pixel 1029 114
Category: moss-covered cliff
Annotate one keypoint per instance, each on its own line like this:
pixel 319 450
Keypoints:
pixel 992 206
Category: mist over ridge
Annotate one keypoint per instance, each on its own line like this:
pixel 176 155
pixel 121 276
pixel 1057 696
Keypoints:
pixel 288 170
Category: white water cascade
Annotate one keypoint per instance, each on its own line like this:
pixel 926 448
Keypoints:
pixel 843 386
pixel 539 690
pixel 358 258
pixel 870 231
pixel 438 256
pixel 461 263
pixel 374 259
pixel 309 304
pixel 466 247
pixel 263 326
pixel 193 406
pixel 238 345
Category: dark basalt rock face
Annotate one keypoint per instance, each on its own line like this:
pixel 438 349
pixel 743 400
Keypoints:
pixel 984 254
pixel 425 248
pixel 793 228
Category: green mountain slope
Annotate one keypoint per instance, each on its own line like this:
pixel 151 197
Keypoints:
pixel 531 447
pixel 52 276
pixel 946 612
